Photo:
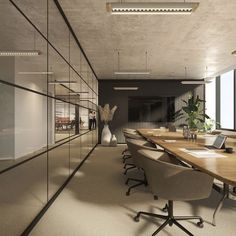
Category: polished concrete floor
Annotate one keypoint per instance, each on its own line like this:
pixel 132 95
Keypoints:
pixel 94 204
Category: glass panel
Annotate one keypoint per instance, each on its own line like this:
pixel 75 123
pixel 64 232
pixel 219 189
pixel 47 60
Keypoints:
pixel 36 11
pixel 58 167
pixel 85 147
pixel 227 100
pixel 63 124
pixel 75 55
pixel 23 193
pixel 27 71
pixel 75 88
pixel 84 120
pixel 61 72
pixel 23 124
pixel 58 32
pixel 75 155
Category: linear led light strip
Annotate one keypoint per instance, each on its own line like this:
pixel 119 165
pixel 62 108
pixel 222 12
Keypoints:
pixel 196 82
pixel 35 73
pixel 126 88
pixel 19 53
pixel 132 72
pixel 171 8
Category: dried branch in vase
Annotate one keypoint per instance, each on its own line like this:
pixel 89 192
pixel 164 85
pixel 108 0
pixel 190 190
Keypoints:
pixel 106 114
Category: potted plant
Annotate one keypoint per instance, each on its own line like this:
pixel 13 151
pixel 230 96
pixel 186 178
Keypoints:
pixel 193 110
pixel 106 115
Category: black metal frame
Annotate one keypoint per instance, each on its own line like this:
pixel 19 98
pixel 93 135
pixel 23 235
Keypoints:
pixel 170 219
pixel 69 139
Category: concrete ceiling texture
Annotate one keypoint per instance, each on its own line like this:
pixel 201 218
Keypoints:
pixel 204 39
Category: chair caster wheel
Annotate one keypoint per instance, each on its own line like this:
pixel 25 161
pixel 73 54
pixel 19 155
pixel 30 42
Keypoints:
pixel 127 193
pixel 136 219
pixel 200 224
pixel 155 197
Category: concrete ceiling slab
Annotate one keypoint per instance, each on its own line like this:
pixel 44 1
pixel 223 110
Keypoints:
pixel 203 39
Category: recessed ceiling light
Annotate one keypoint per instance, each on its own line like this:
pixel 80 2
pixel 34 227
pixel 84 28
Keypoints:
pixel 19 53
pixel 163 8
pixel 125 88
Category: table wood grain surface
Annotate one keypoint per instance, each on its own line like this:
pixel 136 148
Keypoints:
pixel 223 169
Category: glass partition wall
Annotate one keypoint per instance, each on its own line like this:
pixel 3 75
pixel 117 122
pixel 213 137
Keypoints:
pixel 47 90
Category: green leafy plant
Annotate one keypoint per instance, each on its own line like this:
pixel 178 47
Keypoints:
pixel 193 110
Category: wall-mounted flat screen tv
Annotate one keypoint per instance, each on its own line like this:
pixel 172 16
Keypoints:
pixel 151 109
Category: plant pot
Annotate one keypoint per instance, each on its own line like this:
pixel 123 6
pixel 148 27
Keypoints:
pixel 106 136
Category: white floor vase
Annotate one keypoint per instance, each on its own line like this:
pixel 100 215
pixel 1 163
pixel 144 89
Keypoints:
pixel 106 136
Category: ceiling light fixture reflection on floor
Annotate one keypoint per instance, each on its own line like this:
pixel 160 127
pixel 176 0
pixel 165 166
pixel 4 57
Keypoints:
pixel 19 53
pixel 160 8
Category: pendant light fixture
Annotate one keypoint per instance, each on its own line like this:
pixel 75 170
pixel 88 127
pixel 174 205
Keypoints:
pixel 21 53
pixel 130 72
pixel 204 81
pixel 154 8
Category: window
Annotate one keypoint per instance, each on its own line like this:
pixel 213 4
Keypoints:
pixel 210 93
pixel 227 100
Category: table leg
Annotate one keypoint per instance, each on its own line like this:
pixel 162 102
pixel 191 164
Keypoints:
pixel 220 204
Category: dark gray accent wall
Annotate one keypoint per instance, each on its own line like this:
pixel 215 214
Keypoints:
pixel 164 88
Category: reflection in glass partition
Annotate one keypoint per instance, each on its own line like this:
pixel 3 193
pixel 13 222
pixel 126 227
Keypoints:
pixel 84 120
pixel 23 124
pixel 62 120
pixel 66 120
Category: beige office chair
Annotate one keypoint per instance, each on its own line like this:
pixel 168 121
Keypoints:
pixel 126 154
pixel 174 183
pixel 128 131
pixel 134 145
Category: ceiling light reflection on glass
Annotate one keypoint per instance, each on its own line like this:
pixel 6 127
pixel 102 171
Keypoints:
pixel 26 53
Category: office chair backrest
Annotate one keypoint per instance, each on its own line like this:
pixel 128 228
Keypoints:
pixel 134 145
pixel 174 182
pixel 128 130
pixel 133 136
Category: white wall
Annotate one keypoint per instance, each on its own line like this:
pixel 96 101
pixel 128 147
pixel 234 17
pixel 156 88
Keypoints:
pixel 30 116
pixel 30 122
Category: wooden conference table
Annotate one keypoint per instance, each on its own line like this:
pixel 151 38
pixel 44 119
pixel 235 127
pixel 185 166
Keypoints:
pixel 222 169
